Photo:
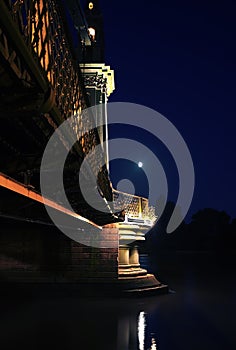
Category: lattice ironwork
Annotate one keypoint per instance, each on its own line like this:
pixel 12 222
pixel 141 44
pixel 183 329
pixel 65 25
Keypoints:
pixel 40 23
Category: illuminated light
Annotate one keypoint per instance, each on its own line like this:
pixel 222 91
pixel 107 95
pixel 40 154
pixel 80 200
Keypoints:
pixel 90 5
pixel 91 32
pixel 140 164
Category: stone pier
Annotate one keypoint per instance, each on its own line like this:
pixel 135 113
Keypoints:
pixel 132 277
pixel 40 256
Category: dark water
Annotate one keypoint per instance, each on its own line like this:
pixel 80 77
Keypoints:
pixel 198 313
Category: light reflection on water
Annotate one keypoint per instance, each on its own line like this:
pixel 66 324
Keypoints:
pixel 199 315
pixel 141 333
pixel 153 345
pixel 141 330
pixel 71 322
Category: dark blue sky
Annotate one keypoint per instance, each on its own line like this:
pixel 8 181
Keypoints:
pixel 179 58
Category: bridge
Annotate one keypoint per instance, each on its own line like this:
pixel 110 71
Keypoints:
pixel 51 70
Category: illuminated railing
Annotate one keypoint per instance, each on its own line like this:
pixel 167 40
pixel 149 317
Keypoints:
pixel 136 208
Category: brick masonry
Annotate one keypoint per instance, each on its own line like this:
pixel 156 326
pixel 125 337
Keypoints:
pixel 31 252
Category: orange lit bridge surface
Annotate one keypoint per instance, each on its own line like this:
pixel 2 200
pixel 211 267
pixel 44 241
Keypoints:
pixel 49 73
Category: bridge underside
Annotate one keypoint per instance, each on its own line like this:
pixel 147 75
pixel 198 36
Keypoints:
pixel 24 134
pixel 34 101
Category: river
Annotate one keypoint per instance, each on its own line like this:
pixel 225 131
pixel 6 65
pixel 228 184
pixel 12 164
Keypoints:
pixel 197 313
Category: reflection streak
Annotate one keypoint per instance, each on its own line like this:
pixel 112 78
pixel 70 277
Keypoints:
pixel 141 330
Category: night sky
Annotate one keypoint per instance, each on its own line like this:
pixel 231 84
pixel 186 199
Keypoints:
pixel 179 58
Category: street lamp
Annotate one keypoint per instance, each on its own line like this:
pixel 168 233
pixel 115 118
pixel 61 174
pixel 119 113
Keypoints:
pixel 91 32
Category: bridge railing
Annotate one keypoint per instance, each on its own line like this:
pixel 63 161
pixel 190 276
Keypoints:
pixel 136 209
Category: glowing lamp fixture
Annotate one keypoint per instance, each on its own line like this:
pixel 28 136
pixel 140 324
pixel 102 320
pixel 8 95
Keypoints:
pixel 91 32
pixel 90 5
pixel 140 164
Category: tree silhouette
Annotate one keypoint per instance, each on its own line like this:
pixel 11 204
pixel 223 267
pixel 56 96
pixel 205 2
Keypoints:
pixel 210 229
pixel 158 240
